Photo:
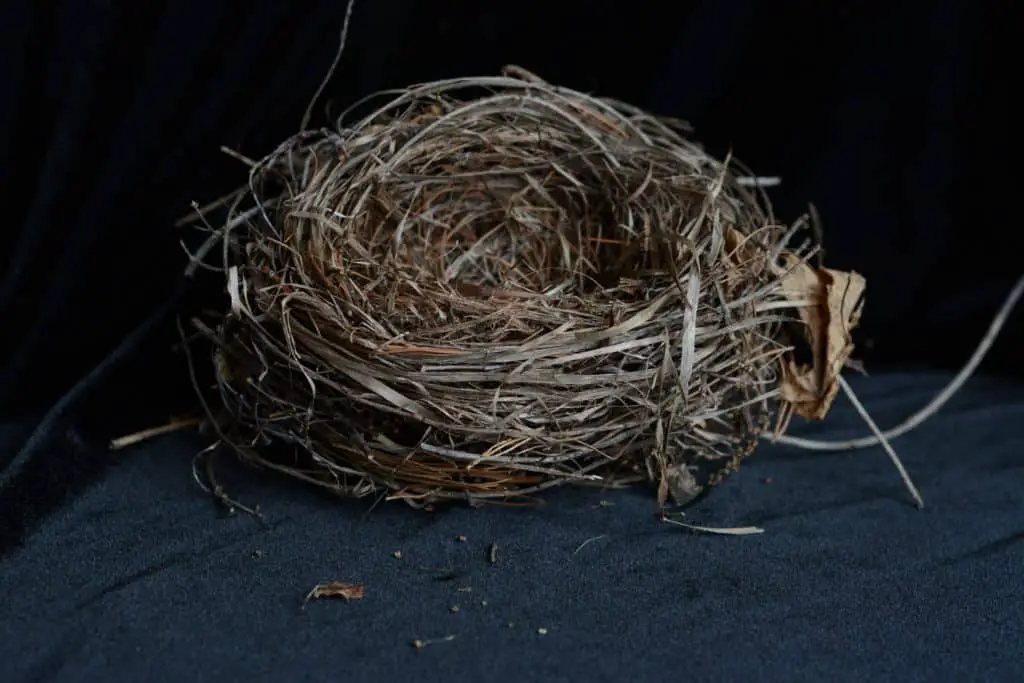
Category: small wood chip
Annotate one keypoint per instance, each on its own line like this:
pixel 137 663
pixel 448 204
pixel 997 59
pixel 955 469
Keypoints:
pixel 398 554
pixel 337 589
pixel 420 644
pixel 461 539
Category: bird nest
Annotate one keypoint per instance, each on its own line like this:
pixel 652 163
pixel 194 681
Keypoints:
pixel 487 287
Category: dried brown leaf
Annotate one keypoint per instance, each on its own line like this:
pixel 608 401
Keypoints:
pixel 337 589
pixel 831 306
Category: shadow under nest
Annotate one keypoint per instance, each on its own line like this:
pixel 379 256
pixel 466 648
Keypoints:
pixel 480 297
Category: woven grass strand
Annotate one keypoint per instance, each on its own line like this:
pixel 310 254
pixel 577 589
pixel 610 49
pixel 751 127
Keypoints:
pixel 490 286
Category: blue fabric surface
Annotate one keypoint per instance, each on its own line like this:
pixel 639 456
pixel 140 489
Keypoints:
pixel 142 578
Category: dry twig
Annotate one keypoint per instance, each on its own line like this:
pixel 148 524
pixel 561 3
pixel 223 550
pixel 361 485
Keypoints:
pixel 146 434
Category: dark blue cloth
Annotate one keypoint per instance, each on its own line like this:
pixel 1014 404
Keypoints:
pixel 142 579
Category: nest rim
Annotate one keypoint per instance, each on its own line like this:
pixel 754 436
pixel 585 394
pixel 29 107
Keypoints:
pixel 299 251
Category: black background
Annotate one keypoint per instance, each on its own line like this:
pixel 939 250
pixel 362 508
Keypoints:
pixel 890 117
pixel 893 118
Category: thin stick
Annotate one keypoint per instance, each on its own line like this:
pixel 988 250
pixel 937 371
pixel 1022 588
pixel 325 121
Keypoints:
pixel 934 405
pixel 882 440
pixel 334 66
pixel 216 489
pixel 145 434
pixel 589 541
pixel 196 259
pixel 221 495
pixel 758 181
pixel 720 531
pixel 198 211
pixel 238 156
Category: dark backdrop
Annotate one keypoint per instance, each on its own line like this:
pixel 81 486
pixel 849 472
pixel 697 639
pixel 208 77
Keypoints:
pixel 890 117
